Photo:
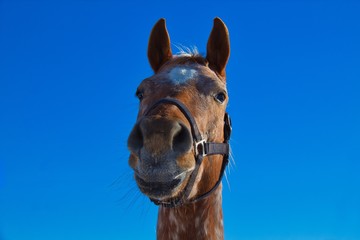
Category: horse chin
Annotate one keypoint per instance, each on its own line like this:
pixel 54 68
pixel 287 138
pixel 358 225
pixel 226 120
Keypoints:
pixel 165 190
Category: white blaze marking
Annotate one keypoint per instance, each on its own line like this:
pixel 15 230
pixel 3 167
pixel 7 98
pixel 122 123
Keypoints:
pixel 179 75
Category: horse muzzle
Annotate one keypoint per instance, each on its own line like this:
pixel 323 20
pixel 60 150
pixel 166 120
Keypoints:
pixel 162 155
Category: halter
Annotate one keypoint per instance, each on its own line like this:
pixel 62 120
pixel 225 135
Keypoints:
pixel 202 148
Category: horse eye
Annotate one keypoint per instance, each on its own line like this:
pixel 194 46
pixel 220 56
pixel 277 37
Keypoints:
pixel 220 97
pixel 139 95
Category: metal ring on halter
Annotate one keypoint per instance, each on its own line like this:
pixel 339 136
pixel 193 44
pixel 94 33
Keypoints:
pixel 199 148
pixel 202 148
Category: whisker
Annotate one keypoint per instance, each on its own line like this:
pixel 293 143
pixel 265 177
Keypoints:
pixel 227 180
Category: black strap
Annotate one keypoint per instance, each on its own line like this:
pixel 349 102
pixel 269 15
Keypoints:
pixel 202 149
pixel 216 148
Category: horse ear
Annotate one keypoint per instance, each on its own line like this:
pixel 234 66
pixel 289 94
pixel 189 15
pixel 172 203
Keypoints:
pixel 159 49
pixel 218 47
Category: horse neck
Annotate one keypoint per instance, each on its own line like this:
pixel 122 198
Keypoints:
pixel 199 220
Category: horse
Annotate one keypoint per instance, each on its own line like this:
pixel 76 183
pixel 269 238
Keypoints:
pixel 179 145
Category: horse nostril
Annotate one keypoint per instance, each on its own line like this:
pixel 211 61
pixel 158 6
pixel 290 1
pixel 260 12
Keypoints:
pixel 182 141
pixel 135 140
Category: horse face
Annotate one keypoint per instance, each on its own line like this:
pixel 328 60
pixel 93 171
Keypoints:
pixel 161 143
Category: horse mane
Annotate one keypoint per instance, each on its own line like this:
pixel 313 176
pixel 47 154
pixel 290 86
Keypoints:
pixel 188 55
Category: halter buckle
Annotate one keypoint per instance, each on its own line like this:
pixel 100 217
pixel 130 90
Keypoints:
pixel 200 148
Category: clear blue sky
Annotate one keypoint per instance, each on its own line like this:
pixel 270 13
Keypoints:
pixel 68 74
